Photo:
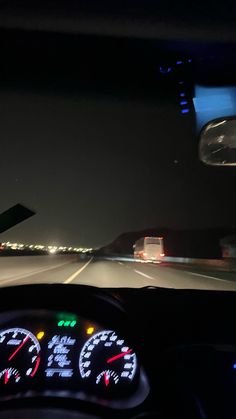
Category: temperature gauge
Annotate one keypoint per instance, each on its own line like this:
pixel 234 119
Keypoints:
pixel 107 378
pixel 10 376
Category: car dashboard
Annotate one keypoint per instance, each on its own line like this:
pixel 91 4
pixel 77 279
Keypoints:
pixel 61 354
pixel 82 352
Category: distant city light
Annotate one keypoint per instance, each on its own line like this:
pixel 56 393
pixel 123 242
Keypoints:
pixel 43 248
pixel 52 250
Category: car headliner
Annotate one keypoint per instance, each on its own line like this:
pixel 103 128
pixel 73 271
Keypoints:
pixel 137 19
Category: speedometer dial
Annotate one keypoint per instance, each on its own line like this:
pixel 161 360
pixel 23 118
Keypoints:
pixel 106 361
pixel 19 355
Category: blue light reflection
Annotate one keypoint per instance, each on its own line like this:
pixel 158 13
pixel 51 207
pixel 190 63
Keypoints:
pixel 213 102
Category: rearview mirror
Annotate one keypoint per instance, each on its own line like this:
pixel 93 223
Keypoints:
pixel 217 145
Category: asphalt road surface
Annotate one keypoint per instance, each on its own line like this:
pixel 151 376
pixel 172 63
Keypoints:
pixel 108 273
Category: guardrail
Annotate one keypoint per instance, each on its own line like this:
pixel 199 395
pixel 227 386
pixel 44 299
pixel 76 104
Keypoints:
pixel 214 263
pixel 220 264
pixel 197 261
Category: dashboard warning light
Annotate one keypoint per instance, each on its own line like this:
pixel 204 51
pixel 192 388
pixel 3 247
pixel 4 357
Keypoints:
pixel 40 335
pixel 67 323
pixel 90 330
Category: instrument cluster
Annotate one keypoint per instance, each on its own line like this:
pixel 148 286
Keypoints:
pixel 63 354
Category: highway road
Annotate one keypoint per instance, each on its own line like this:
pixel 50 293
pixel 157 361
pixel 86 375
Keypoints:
pixel 108 273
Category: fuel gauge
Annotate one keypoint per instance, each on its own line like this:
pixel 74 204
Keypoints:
pixel 107 378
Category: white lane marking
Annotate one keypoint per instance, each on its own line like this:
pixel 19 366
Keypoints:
pixel 38 271
pixel 207 276
pixel 120 263
pixel 141 273
pixel 74 275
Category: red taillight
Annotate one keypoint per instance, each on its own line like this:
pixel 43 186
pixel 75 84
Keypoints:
pixel 162 254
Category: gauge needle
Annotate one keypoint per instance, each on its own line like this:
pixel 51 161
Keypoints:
pixel 19 347
pixel 106 379
pixel 114 358
pixel 6 377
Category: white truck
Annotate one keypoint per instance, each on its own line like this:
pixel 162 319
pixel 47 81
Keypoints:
pixel 149 249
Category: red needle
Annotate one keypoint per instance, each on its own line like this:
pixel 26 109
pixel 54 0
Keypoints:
pixel 19 347
pixel 113 358
pixel 6 377
pixel 106 379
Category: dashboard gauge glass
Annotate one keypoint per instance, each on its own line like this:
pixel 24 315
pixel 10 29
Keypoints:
pixel 106 361
pixel 61 354
pixel 20 355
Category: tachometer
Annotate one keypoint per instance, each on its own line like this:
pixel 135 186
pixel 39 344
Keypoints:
pixel 106 361
pixel 19 355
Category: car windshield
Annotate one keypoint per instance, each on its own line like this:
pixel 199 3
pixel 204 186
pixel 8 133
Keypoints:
pixel 99 156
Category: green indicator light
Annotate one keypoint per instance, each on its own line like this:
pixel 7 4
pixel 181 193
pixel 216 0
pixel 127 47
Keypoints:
pixel 67 323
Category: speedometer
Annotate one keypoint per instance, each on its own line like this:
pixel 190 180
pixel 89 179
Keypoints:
pixel 19 355
pixel 106 361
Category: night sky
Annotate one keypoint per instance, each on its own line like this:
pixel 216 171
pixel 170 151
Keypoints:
pixel 95 165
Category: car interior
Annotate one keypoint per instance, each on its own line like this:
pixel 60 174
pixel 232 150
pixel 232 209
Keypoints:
pixel 75 351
